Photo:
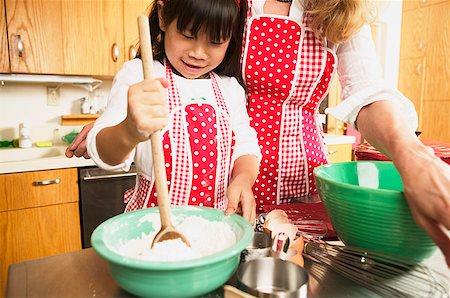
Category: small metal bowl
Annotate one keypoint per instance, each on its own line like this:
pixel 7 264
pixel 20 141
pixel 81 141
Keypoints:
pixel 260 247
pixel 272 277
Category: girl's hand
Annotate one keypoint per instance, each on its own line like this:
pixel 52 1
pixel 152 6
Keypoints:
pixel 78 146
pixel 426 181
pixel 241 199
pixel 147 109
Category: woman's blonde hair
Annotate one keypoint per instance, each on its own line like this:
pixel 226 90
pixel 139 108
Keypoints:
pixel 338 20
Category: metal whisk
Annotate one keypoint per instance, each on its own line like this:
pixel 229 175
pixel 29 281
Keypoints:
pixel 386 275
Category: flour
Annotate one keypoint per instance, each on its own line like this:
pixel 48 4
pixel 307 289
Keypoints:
pixel 206 238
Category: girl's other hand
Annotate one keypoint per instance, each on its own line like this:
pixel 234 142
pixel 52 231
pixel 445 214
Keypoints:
pixel 241 199
pixel 147 109
pixel 78 146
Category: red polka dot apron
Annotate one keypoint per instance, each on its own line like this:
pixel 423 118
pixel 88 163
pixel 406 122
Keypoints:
pixel 287 71
pixel 197 149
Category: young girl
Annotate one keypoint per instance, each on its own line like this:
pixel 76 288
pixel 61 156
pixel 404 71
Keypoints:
pixel 198 104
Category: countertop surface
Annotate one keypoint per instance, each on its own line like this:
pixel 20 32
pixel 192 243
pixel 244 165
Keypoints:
pixel 84 274
pixel 16 160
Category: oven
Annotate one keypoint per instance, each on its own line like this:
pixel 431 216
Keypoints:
pixel 101 197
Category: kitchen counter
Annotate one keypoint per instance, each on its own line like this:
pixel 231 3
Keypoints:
pixel 84 274
pixel 15 160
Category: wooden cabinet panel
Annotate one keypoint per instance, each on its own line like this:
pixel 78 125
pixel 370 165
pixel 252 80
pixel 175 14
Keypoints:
pixel 425 65
pixel 413 36
pixel 37 232
pixel 131 10
pixel 18 191
pixel 339 152
pixel 436 124
pixel 35 25
pixel 437 87
pixel 92 30
pixel 411 79
pixel 413 4
pixel 4 55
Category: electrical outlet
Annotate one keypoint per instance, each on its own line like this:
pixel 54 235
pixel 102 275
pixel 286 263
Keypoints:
pixel 52 96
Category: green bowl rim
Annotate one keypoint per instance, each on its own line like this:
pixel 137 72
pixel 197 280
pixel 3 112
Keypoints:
pixel 111 256
pixel 352 186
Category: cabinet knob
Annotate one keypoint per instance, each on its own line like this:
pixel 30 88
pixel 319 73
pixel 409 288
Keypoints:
pixel 419 69
pixel 421 46
pixel 19 46
pixel 132 53
pixel 115 52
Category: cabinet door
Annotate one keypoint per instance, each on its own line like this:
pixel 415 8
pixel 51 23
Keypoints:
pixel 411 79
pixel 436 121
pixel 4 58
pixel 35 36
pixel 438 54
pixel 414 32
pixel 37 232
pixel 131 10
pixel 93 37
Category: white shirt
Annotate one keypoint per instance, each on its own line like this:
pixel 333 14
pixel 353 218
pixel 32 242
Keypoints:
pixel 360 73
pixel 131 73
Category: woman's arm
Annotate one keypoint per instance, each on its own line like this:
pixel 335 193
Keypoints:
pixel 426 178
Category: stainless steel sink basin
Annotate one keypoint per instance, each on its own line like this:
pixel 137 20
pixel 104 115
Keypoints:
pixel 24 154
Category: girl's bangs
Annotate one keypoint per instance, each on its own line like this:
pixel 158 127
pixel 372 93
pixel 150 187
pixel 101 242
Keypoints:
pixel 217 18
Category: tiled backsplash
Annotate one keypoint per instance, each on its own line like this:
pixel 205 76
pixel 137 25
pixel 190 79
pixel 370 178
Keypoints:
pixel 27 102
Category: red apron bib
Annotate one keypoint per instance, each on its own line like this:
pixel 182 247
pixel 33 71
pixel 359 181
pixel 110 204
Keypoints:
pixel 287 71
pixel 197 149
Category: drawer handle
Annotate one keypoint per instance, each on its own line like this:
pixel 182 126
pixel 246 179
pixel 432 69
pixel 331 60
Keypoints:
pixel 108 176
pixel 47 182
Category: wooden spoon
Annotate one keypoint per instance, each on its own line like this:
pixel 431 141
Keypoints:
pixel 167 231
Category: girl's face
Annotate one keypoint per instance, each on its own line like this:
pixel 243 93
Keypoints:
pixel 193 57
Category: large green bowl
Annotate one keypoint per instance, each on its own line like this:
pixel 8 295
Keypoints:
pixel 168 279
pixel 367 208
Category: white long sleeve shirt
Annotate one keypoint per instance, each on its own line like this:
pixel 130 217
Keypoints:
pixel 131 73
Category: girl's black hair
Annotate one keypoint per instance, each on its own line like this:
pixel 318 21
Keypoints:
pixel 220 18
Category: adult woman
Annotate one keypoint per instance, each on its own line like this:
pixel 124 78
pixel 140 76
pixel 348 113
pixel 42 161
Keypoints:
pixel 291 51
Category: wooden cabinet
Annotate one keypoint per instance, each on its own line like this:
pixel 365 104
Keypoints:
pixel 425 64
pixel 35 36
pixel 39 216
pixel 4 58
pixel 340 152
pixel 93 37
pixel 131 10
pixel 65 37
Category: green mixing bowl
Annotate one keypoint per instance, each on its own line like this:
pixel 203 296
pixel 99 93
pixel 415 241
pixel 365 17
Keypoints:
pixel 367 208
pixel 188 278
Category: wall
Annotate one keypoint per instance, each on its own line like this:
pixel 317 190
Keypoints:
pixel 21 102
pixel 387 38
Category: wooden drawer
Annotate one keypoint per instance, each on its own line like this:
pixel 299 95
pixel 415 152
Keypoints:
pixel 339 152
pixel 25 190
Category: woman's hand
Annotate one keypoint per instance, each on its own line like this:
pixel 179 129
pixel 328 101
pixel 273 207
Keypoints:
pixel 241 199
pixel 426 181
pixel 147 109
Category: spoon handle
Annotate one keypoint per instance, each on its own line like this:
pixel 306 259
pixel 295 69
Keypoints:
pixel 156 140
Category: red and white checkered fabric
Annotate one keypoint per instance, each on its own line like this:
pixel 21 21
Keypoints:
pixel 287 70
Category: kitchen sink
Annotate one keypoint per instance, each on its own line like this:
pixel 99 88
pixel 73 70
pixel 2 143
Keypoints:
pixel 25 154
